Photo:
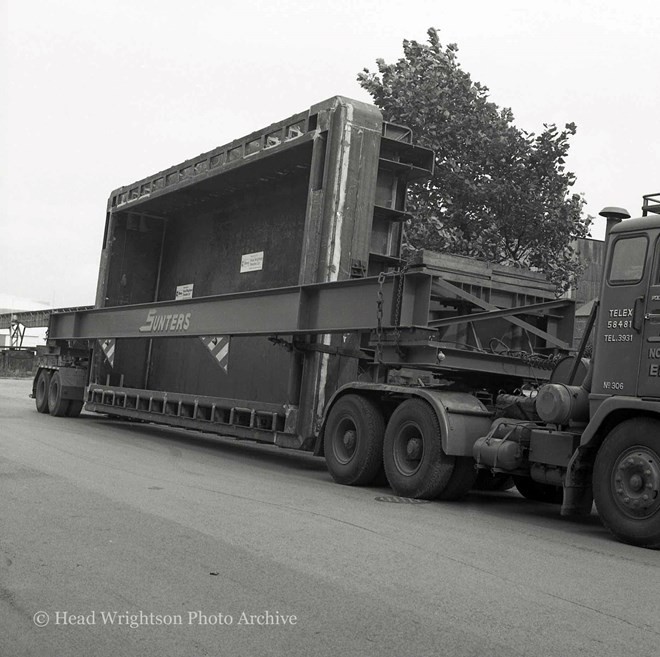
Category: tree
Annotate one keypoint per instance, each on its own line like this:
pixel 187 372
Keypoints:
pixel 498 193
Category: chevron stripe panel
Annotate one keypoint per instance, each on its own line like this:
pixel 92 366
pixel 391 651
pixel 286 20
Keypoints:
pixel 218 345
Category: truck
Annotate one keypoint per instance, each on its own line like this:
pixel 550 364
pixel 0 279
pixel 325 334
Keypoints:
pixel 258 291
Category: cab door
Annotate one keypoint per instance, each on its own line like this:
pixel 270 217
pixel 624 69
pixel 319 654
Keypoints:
pixel 618 341
pixel 649 366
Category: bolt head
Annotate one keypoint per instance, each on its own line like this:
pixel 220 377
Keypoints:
pixel 636 482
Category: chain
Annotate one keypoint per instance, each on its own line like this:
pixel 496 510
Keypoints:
pixel 379 318
pixel 400 276
pixel 400 273
pixel 280 342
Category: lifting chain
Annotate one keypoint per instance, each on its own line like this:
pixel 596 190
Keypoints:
pixel 400 275
pixel 379 318
pixel 399 278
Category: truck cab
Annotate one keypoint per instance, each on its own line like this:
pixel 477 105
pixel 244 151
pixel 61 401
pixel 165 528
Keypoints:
pixel 627 349
pixel 624 403
pixel 597 437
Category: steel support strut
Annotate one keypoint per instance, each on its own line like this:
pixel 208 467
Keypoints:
pixel 337 307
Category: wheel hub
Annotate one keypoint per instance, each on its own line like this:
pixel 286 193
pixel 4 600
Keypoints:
pixel 409 449
pixel 349 439
pixel 345 443
pixel 414 449
pixel 637 482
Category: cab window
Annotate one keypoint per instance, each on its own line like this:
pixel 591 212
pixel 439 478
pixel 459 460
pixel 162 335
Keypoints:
pixel 628 258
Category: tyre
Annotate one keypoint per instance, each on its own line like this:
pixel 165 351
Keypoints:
pixel 462 479
pixel 380 479
pixel 353 441
pixel 415 464
pixel 56 405
pixel 488 481
pixel 533 490
pixel 41 391
pixel 75 407
pixel 626 482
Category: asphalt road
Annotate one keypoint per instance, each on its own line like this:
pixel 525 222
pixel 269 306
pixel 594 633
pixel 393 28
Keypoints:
pixel 140 540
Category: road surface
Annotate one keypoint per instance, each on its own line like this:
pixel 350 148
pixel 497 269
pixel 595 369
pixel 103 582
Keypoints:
pixel 122 539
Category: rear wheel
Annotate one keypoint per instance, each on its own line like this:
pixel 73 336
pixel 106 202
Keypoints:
pixel 626 482
pixel 462 479
pixel 75 407
pixel 415 463
pixel 56 405
pixel 41 391
pixel 353 441
pixel 533 490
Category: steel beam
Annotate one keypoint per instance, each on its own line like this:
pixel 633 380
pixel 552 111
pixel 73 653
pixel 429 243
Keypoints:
pixel 338 307
pixel 34 318
pixel 421 349
pixel 531 309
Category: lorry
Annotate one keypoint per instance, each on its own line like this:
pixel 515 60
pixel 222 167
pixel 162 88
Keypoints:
pixel 258 291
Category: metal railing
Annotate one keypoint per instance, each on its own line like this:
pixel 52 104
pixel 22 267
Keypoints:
pixel 651 204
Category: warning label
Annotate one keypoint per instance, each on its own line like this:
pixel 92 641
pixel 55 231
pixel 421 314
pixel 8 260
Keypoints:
pixel 252 261
pixel 184 292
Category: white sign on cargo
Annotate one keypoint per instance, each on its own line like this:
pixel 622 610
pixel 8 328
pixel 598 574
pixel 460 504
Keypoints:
pixel 184 292
pixel 252 261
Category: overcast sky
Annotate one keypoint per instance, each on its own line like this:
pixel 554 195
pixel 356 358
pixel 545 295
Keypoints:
pixel 100 94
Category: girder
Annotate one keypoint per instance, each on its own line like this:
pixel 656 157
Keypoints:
pixel 337 307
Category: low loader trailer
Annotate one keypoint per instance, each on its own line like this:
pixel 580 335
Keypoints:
pixel 258 291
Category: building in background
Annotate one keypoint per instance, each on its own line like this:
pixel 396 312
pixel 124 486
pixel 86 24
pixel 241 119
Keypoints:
pixel 591 253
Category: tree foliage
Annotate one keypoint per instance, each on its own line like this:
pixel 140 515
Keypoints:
pixel 498 192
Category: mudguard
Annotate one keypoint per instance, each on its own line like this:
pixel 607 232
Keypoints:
pixel 462 417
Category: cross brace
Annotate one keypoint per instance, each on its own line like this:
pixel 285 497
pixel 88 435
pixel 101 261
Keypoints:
pixel 494 312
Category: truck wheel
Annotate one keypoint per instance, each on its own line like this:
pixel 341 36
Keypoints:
pixel 462 479
pixel 75 407
pixel 41 391
pixel 353 441
pixel 533 490
pixel 415 464
pixel 626 482
pixel 56 405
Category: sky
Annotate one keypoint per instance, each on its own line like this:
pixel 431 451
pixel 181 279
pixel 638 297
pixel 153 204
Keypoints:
pixel 96 95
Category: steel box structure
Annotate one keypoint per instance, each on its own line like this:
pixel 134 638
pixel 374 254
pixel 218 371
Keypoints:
pixel 316 198
pixel 240 289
